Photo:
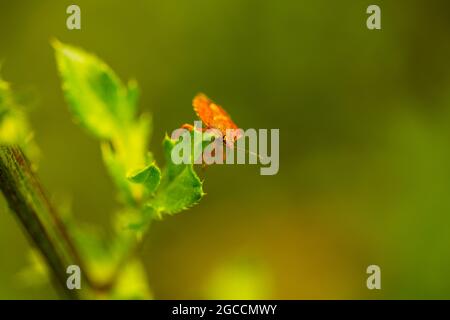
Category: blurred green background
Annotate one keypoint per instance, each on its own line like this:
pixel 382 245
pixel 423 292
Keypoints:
pixel 364 123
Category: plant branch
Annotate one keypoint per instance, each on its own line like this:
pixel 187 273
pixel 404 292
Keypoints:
pixel 27 200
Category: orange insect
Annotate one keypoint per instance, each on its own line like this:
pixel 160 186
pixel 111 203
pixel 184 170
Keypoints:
pixel 213 116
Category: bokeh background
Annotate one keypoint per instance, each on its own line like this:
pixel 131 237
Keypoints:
pixel 364 119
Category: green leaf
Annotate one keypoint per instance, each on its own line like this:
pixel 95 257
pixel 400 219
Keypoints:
pixel 149 176
pixel 14 126
pixel 180 186
pixel 117 171
pixel 107 108
pixel 136 221
pixel 96 96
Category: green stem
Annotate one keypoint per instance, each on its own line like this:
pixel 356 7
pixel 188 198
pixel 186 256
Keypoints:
pixel 27 200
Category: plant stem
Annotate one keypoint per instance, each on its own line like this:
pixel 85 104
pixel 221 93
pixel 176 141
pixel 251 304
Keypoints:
pixel 27 200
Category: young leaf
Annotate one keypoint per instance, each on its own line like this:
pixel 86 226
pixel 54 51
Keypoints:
pixel 107 108
pixel 150 177
pixel 180 186
pixel 96 96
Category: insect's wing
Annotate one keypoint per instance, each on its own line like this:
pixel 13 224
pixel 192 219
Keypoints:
pixel 211 114
pixel 201 104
